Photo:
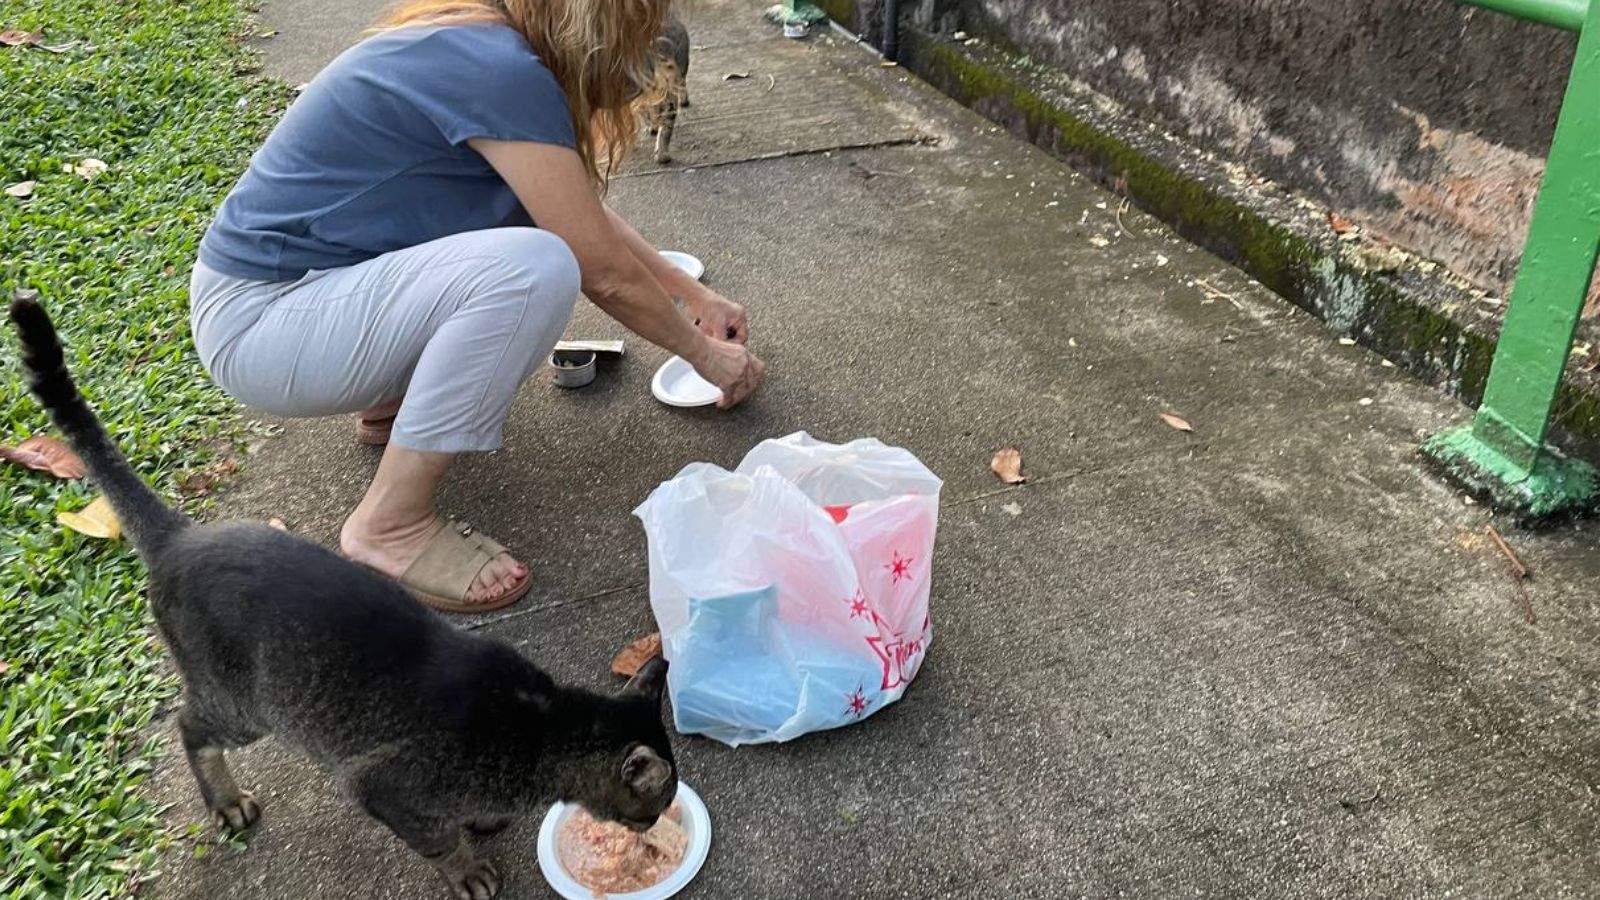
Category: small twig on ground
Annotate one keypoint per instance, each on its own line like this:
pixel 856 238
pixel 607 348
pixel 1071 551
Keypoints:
pixel 1120 207
pixel 1215 292
pixel 1524 601
pixel 1518 572
pixel 1517 568
pixel 772 82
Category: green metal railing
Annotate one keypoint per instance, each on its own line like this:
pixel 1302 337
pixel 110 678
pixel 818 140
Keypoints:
pixel 1566 14
pixel 1503 451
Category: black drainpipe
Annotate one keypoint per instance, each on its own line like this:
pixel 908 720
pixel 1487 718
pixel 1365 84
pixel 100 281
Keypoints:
pixel 891 31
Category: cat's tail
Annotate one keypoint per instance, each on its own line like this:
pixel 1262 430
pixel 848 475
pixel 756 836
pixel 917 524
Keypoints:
pixel 147 520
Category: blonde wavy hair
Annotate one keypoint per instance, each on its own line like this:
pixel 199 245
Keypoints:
pixel 600 52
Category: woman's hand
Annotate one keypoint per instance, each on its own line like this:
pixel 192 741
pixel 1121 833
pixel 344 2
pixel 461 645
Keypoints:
pixel 720 318
pixel 729 366
pixel 622 273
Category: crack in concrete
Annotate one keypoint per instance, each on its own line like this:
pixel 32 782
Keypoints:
pixel 522 613
pixel 784 154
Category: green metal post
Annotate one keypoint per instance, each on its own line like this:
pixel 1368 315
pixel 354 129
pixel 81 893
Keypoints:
pixel 1503 451
pixel 1566 14
pixel 796 12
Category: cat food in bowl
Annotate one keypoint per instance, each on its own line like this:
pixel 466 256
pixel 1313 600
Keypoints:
pixel 584 858
pixel 573 368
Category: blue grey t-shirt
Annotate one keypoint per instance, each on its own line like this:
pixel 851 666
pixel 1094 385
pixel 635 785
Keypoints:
pixel 373 156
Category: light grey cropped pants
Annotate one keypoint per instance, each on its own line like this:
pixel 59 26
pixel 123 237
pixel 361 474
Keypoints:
pixel 452 326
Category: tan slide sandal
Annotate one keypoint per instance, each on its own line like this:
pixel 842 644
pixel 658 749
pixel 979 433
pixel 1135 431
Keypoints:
pixel 374 432
pixel 445 572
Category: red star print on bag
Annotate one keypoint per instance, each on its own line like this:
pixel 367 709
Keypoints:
pixel 856 702
pixel 898 656
pixel 900 567
pixel 858 605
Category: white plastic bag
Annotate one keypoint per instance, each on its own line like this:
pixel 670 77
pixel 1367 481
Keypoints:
pixel 792 593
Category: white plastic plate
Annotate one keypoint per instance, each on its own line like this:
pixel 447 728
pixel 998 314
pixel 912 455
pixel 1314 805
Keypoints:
pixel 696 823
pixel 676 383
pixel 684 261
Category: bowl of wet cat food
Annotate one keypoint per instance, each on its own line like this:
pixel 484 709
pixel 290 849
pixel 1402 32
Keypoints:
pixel 584 858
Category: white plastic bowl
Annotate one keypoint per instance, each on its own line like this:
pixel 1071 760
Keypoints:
pixel 696 823
pixel 676 383
pixel 686 262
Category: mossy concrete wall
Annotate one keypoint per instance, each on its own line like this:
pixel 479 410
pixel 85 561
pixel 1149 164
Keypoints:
pixel 1405 308
pixel 1425 121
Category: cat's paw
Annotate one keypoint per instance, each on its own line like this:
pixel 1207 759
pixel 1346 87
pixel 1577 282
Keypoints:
pixel 477 880
pixel 243 812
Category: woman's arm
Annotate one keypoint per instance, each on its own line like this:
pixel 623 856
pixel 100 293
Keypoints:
pixel 716 315
pixel 551 182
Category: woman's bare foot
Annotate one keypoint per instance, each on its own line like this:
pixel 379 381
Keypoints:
pixel 391 547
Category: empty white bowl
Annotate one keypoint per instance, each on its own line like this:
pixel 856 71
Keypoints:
pixel 676 383
pixel 696 824
pixel 686 262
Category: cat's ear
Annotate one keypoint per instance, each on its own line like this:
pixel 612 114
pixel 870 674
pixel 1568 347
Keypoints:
pixel 645 772
pixel 650 679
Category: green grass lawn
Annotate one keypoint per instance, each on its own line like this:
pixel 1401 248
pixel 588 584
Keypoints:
pixel 161 91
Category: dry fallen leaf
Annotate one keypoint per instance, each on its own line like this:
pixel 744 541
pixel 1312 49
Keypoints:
pixel 201 481
pixel 1007 465
pixel 97 520
pixel 22 190
pixel 196 483
pixel 31 459
pixel 16 37
pixel 1176 422
pixel 90 168
pixel 1339 224
pixel 631 658
pixel 46 454
pixel 277 523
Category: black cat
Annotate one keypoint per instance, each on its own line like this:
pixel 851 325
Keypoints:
pixel 434 731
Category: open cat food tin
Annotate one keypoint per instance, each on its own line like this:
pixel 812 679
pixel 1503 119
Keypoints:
pixel 564 823
pixel 573 368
